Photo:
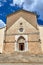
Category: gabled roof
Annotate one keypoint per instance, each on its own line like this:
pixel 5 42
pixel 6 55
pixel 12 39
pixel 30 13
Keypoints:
pixel 17 16
pixel 22 10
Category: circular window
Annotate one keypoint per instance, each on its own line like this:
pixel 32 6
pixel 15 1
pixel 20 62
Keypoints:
pixel 20 23
pixel 21 29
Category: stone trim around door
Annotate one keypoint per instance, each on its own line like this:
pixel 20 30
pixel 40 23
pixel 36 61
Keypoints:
pixel 25 44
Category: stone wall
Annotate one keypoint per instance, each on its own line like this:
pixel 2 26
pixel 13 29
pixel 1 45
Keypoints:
pixel 34 44
pixel 21 58
pixel 27 27
pixel 8 48
pixel 2 33
pixel 30 17
pixel 9 38
pixel 30 32
pixel 35 47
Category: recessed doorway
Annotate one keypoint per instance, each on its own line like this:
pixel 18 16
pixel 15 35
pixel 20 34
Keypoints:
pixel 21 43
pixel 21 46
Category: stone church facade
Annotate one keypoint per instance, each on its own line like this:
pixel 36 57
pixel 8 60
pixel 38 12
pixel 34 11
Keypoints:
pixel 22 43
pixel 22 33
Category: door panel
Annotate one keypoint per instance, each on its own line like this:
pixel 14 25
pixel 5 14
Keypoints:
pixel 21 46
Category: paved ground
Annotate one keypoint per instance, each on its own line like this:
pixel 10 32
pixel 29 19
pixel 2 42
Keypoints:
pixel 21 59
pixel 19 64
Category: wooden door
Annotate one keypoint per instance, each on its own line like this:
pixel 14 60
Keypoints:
pixel 21 46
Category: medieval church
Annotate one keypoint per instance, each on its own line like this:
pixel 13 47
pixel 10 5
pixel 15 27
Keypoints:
pixel 22 34
pixel 22 44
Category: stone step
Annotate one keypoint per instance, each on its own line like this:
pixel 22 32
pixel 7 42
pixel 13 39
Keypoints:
pixel 21 58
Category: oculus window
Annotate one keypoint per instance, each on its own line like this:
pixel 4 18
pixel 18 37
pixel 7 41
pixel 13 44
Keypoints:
pixel 21 29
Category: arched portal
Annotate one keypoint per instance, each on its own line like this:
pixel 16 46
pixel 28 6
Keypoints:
pixel 21 43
